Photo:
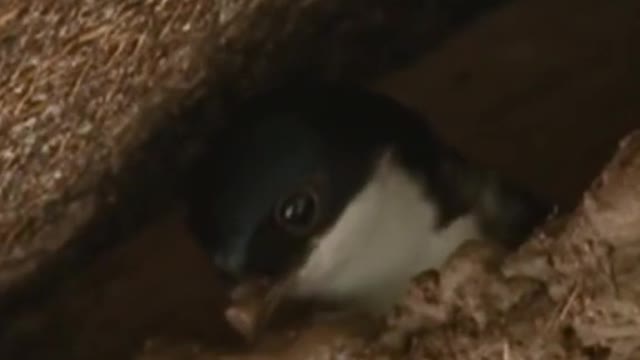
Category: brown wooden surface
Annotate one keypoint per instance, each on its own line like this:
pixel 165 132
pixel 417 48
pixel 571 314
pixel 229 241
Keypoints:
pixel 542 91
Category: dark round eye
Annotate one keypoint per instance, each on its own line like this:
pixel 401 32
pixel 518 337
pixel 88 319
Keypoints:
pixel 298 211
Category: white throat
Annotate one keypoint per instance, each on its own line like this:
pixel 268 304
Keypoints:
pixel 385 236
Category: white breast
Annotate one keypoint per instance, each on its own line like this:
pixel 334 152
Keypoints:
pixel 384 237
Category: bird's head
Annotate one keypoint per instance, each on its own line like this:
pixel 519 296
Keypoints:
pixel 344 193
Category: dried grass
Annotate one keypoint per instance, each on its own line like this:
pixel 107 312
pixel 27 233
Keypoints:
pixel 75 76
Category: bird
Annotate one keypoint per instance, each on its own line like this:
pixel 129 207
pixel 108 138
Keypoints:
pixel 347 193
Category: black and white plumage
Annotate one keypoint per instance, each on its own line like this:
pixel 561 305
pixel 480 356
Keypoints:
pixel 347 193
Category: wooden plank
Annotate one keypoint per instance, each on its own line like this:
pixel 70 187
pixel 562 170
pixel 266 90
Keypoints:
pixel 542 91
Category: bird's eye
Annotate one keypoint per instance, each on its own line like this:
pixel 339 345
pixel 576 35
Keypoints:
pixel 298 211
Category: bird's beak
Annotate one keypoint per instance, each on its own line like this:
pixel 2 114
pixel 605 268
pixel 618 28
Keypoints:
pixel 253 304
